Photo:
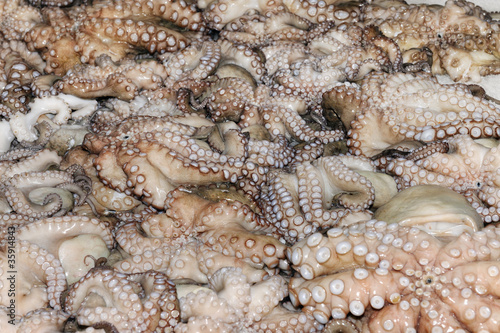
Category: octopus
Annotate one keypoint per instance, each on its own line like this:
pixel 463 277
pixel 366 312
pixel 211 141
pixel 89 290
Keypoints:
pixel 435 209
pixel 102 200
pixel 45 193
pixel 466 166
pixel 259 30
pixel 401 278
pixel 337 11
pixel 180 239
pixel 129 303
pixel 51 111
pixel 358 50
pixel 70 240
pixel 461 37
pixel 178 158
pixel 281 114
pixel 323 193
pixel 388 111
pixel 118 28
pixel 41 274
pixel 109 79
pixel 258 307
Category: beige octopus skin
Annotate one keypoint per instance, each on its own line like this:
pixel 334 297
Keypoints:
pixel 463 41
pixel 138 302
pixel 468 167
pixel 409 278
pixel 258 302
pixel 241 98
pixel 299 203
pixel 387 110
pixel 193 244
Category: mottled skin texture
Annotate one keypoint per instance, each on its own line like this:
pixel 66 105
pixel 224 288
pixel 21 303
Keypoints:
pixel 403 277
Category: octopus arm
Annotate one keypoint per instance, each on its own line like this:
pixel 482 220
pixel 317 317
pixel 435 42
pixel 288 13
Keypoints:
pixel 411 174
pixel 35 269
pixel 321 12
pixel 342 177
pixel 181 170
pixel 280 316
pixel 62 228
pixel 348 292
pixel 94 290
pixel 298 128
pixel 480 277
pixel 185 262
pixel 115 85
pixel 291 222
pixel 41 319
pixel 211 261
pixel 220 12
pixel 204 302
pixel 466 249
pixel 149 177
pixel 234 241
pixel 473 310
pixel 266 295
pixel 201 324
pixel 318 255
pixel 178 12
pixel 411 314
pixel 133 241
pixel 109 171
pixel 369 134
pixel 162 294
pixel 233 230
pixel 157 259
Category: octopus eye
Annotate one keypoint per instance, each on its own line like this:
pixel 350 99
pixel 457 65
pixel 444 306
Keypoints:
pixel 126 137
pixel 478 184
pixel 439 35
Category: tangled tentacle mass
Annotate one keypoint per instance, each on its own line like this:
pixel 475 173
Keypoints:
pixel 248 166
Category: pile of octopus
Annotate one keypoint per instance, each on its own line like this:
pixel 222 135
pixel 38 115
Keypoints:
pixel 249 166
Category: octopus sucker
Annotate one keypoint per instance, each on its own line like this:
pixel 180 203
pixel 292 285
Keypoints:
pixel 249 166
pixel 422 282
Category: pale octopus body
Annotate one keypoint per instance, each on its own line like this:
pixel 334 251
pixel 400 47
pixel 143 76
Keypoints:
pixel 405 279
pixel 214 166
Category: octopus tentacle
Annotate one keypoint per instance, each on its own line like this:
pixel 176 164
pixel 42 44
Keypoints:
pixel 413 263
pixel 47 280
